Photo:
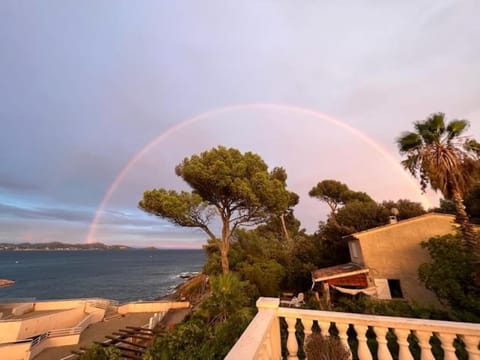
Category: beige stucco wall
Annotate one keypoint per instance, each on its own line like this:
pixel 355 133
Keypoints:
pixel 9 331
pixel 58 304
pixel 152 307
pixel 97 315
pixel 22 309
pixel 54 342
pixel 36 325
pixel 19 351
pixel 394 251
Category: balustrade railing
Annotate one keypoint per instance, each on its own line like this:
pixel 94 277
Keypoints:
pixel 38 340
pixel 367 337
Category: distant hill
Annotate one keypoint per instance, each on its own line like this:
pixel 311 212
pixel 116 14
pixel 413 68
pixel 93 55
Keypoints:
pixel 55 245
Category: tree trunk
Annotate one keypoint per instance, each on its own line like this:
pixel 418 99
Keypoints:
pixel 471 240
pixel 284 227
pixel 224 246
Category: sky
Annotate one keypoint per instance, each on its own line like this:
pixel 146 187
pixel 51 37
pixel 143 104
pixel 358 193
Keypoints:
pixel 99 100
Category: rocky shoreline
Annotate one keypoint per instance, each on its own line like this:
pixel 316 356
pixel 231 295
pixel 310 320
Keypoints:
pixel 194 289
pixel 5 282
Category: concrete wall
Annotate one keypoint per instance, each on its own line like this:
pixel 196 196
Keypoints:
pixel 97 315
pixel 58 320
pixel 394 251
pixel 22 309
pixel 19 351
pixel 151 307
pixel 9 331
pixel 58 304
pixel 54 342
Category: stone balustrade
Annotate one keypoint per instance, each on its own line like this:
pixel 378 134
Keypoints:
pixel 389 337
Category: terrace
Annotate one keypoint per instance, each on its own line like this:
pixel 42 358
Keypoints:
pixel 51 329
pixel 396 338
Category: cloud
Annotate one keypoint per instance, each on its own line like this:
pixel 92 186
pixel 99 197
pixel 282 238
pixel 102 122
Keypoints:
pixel 68 130
pixel 41 213
pixel 18 184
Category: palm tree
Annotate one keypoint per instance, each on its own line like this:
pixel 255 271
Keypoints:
pixel 441 157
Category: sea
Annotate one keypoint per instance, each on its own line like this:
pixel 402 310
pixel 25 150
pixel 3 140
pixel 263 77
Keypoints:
pixel 121 275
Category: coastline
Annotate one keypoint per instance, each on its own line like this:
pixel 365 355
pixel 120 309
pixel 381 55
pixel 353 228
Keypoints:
pixel 123 276
pixel 194 289
pixel 6 282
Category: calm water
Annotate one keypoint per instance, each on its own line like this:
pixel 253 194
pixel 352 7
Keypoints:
pixel 119 275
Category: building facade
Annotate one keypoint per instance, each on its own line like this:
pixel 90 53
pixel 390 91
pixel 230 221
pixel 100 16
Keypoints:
pixel 392 253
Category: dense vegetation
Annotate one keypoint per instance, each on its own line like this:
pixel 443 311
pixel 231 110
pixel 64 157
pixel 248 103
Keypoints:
pixel 278 255
pixel 211 330
pixel 451 276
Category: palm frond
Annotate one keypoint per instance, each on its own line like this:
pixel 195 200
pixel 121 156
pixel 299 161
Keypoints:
pixel 411 163
pixel 437 122
pixel 408 141
pixel 472 146
pixel 432 129
pixel 456 127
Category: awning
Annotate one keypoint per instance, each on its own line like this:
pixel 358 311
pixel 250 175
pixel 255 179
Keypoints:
pixel 370 291
pixel 338 271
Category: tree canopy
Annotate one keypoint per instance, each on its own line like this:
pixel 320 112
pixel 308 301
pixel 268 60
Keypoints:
pixel 236 187
pixel 450 276
pixel 406 208
pixel 336 194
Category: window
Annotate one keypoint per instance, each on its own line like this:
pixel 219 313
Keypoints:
pixel 353 249
pixel 395 289
pixel 388 289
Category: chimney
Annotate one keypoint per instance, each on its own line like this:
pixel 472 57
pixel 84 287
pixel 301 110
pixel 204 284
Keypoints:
pixel 393 218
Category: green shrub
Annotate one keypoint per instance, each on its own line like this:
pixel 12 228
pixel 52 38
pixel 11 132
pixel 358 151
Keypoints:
pixel 366 305
pixel 98 352
pixel 450 276
pixel 266 275
pixel 229 295
pixel 214 328
pixel 319 347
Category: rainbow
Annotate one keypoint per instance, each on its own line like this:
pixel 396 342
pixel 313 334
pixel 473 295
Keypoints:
pixel 219 111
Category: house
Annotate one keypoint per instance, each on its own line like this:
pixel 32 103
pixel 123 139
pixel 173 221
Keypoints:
pixel 385 259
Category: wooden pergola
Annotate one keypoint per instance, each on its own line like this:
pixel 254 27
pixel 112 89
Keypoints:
pixel 132 341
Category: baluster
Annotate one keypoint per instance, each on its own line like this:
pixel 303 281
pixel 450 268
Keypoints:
pixel 292 345
pixel 471 344
pixel 342 334
pixel 424 343
pixel 447 345
pixel 383 352
pixel 402 340
pixel 363 350
pixel 324 327
pixel 307 324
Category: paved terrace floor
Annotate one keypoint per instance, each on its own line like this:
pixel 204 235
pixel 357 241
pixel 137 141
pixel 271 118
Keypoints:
pixel 98 331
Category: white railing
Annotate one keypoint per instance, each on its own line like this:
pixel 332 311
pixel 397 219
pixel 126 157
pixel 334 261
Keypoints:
pixel 155 319
pixel 39 339
pixel 35 347
pixel 82 325
pixel 261 339
pixel 65 332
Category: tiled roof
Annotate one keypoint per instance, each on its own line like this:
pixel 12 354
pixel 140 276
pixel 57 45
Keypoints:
pixel 337 271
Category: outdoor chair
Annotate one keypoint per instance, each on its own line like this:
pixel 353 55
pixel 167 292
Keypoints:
pixel 297 301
